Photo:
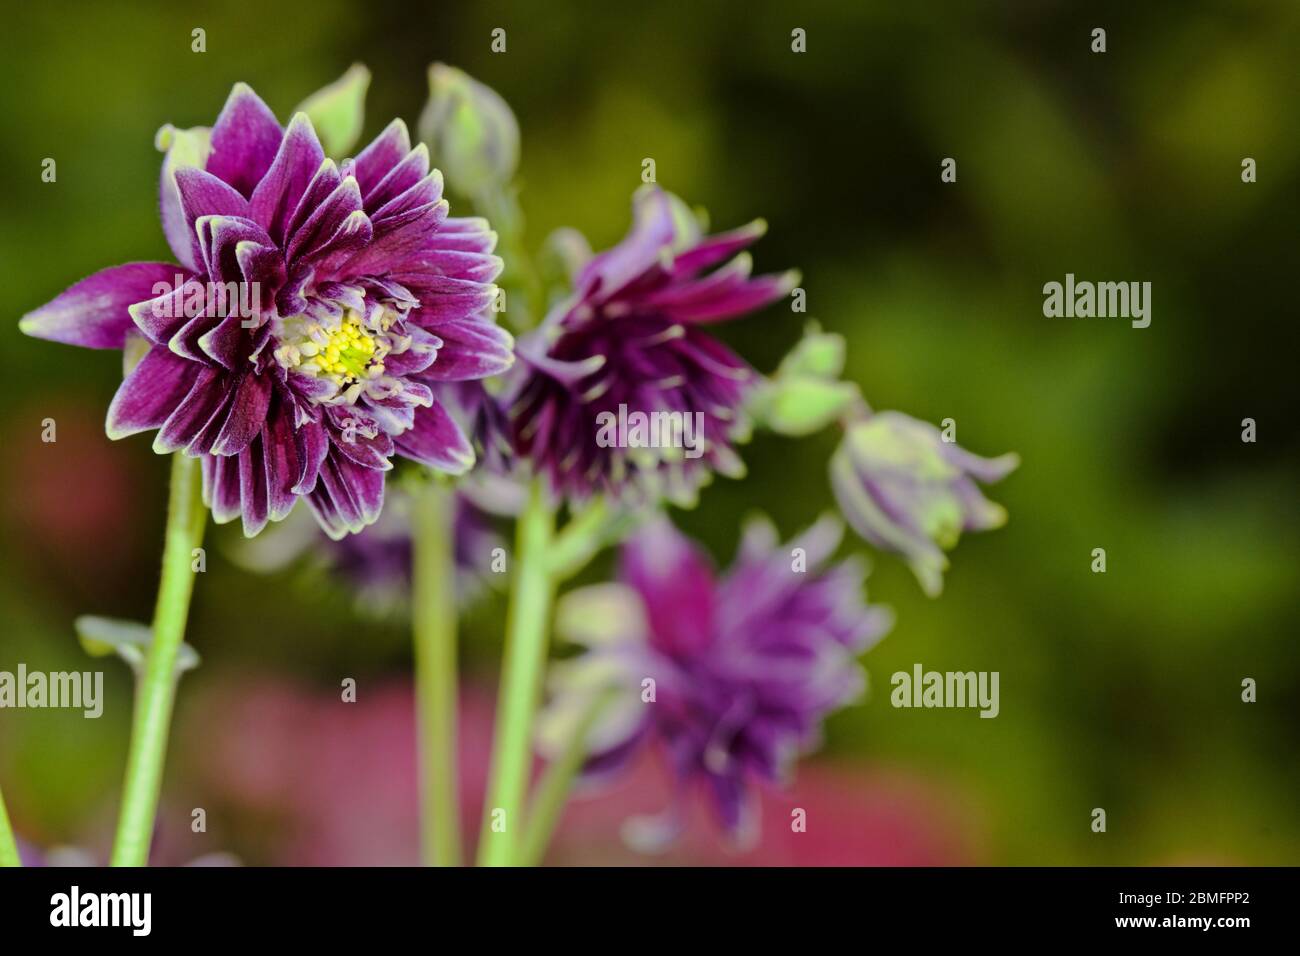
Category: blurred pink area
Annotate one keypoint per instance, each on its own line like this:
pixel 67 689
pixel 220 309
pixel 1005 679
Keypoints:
pixel 66 498
pixel 297 777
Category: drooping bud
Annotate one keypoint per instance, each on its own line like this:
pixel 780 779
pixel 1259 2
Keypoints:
pixel 906 490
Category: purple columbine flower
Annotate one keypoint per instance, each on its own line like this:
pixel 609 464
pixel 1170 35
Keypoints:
pixel 744 669
pixel 907 490
pixel 632 341
pixel 314 305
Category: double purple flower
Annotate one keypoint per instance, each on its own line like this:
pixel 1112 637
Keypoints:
pixel 731 676
pixel 357 296
pixel 633 336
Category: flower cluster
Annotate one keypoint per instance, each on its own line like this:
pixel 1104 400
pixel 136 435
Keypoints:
pixel 324 317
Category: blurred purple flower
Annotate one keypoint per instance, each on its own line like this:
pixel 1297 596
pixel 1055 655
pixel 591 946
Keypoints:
pixel 376 563
pixel 632 335
pixel 744 668
pixel 907 490
pixel 295 346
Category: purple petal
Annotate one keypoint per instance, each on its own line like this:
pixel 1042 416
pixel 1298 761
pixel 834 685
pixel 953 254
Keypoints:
pixel 93 313
pixel 408 184
pixel 245 140
pixel 254 493
pixel 717 248
pixel 675 581
pixel 651 234
pixel 280 448
pixel 247 415
pixel 311 445
pixel 205 405
pixel 219 240
pixel 221 487
pixel 150 393
pixel 387 150
pixel 725 300
pixel 471 350
pixel 330 218
pixel 437 441
pixel 297 162
pixel 347 497
pixel 202 194
pixel 402 238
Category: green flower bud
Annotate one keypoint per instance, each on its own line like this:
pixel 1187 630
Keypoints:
pixel 471 132
pixel 819 354
pixel 338 111
pixel 801 405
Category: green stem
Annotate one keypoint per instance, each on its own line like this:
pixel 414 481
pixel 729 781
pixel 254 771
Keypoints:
pixel 434 618
pixel 8 846
pixel 580 540
pixel 156 687
pixel 553 789
pixel 532 590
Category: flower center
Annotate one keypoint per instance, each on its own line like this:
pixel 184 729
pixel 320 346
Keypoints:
pixel 346 351
pixel 348 354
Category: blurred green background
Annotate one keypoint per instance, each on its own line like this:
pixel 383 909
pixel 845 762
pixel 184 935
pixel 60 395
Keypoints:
pixel 1119 690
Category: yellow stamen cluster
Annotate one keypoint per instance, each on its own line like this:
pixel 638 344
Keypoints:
pixel 347 350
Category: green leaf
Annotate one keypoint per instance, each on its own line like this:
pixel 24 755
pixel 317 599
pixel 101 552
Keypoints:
pixel 129 640
pixel 338 111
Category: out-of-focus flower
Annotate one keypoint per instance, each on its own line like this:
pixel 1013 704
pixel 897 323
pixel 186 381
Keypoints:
pixel 631 342
pixel 376 564
pixel 470 130
pixel 315 305
pixel 907 490
pixel 732 677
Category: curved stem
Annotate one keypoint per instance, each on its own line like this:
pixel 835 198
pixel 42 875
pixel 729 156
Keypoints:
pixel 8 847
pixel 156 687
pixel 433 598
pixel 553 789
pixel 580 540
pixel 532 590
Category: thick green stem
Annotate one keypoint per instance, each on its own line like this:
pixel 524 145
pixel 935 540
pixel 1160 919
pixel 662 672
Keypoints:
pixel 156 687
pixel 8 847
pixel 434 618
pixel 532 591
pixel 553 789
